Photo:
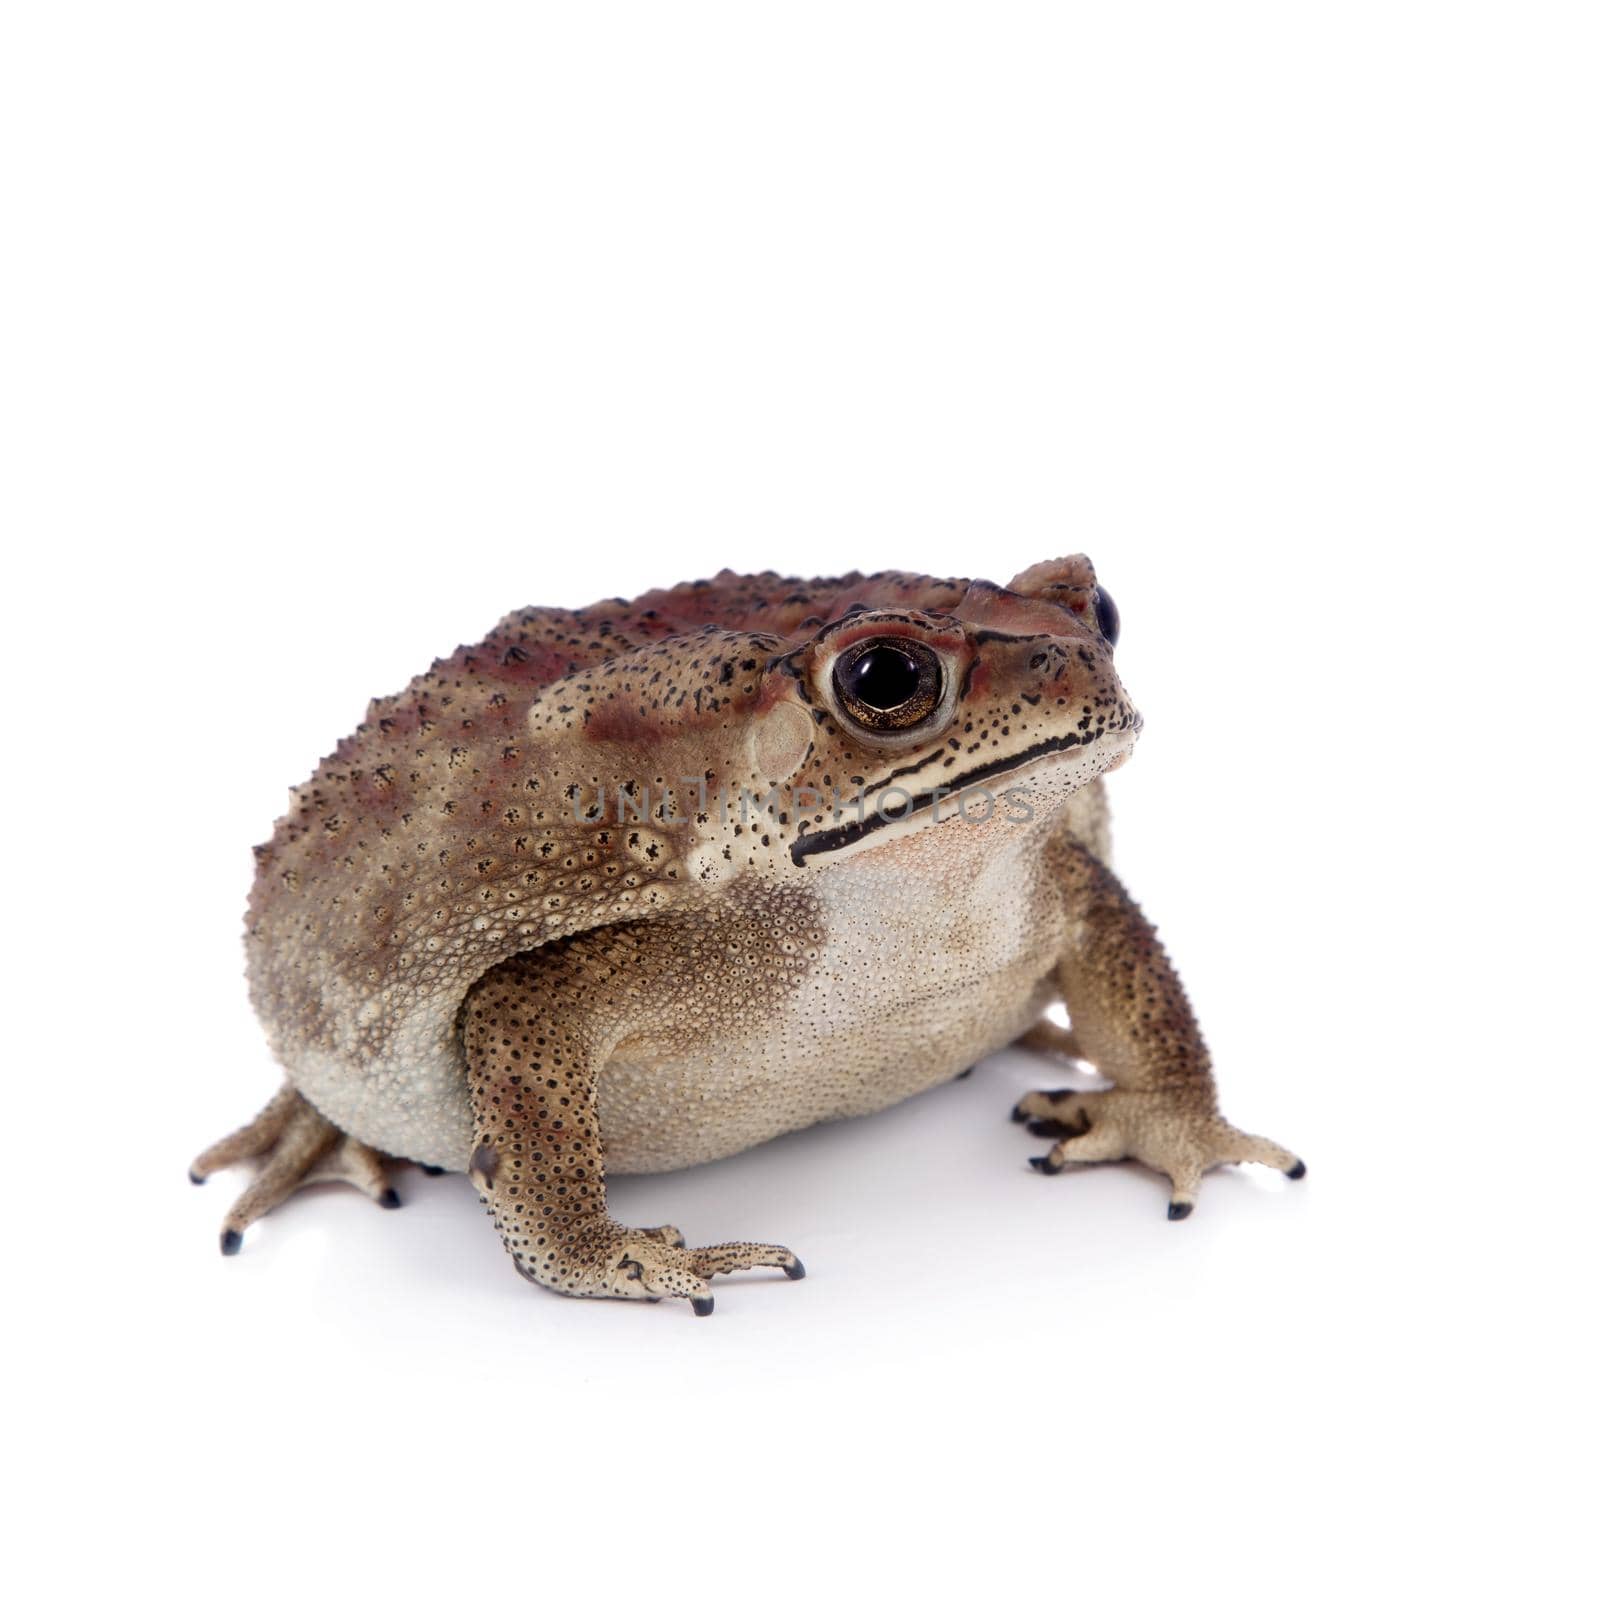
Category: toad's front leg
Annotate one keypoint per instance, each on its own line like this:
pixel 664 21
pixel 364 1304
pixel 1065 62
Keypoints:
pixel 536 1032
pixel 1131 1019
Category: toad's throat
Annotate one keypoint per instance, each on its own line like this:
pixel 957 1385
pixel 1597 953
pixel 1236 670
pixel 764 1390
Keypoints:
pixel 854 831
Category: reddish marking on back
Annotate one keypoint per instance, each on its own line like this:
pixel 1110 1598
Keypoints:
pixel 774 687
pixel 788 607
pixel 628 721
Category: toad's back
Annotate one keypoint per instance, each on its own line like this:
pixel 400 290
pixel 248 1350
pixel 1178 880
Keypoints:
pixel 439 838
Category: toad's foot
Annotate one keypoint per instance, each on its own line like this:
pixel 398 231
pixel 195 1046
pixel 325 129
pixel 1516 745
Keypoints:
pixel 608 1261
pixel 296 1145
pixel 1183 1140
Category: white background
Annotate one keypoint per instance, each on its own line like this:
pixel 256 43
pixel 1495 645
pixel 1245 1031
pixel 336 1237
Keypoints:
pixel 331 333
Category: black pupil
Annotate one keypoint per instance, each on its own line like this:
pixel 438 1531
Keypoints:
pixel 1105 614
pixel 883 678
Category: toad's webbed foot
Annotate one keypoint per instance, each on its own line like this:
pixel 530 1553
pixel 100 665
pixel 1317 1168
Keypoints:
pixel 604 1260
pixel 295 1145
pixel 1167 1132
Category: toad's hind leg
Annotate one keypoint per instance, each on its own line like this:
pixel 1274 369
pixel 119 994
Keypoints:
pixel 295 1145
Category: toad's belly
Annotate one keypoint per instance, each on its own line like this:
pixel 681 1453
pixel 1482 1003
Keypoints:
pixel 924 963
pixel 724 1095
pixel 874 1019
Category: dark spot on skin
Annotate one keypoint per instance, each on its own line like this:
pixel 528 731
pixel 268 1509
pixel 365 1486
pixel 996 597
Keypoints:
pixel 1052 1128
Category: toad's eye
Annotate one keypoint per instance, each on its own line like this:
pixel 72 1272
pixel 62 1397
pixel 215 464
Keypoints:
pixel 1107 617
pixel 888 684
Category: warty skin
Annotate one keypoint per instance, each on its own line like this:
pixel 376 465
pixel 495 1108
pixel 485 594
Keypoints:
pixel 531 920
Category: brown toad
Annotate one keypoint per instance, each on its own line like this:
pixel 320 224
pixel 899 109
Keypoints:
pixel 634 887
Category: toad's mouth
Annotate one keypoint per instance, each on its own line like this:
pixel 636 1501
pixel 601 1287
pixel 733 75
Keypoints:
pixel 934 806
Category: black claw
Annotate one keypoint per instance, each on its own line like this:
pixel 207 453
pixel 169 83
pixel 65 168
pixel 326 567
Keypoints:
pixel 1019 1115
pixel 704 1304
pixel 1043 1164
pixel 1298 1170
pixel 1052 1128
pixel 795 1269
pixel 967 1074
pixel 432 1172
pixel 1179 1209
pixel 389 1200
pixel 194 1177
pixel 231 1240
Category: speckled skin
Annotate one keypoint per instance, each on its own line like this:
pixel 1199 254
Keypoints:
pixel 462 956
